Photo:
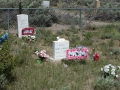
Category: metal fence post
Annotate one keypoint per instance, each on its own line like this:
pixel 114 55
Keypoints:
pixel 8 20
pixel 80 25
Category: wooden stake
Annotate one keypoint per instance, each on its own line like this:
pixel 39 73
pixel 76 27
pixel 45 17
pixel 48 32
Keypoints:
pixel 93 50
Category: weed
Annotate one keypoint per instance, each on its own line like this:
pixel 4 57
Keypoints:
pixel 106 36
pixel 88 35
pixel 117 84
pixel 59 32
pixel 74 30
pixel 67 33
pixel 104 84
pixel 3 81
pixel 111 43
pixel 86 42
pixel 115 51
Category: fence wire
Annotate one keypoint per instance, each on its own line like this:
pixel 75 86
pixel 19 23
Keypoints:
pixel 59 18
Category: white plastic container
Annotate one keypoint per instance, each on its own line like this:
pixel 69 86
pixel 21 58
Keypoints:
pixel 45 4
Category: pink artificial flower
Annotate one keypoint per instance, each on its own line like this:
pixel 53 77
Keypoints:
pixel 84 49
pixel 43 54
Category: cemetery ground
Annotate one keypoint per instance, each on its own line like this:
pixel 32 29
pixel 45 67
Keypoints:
pixel 76 75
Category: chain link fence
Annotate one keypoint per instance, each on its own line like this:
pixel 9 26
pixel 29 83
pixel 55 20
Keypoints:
pixel 59 18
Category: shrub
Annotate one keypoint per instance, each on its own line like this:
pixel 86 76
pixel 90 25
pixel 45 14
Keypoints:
pixel 43 17
pixel 87 3
pixel 3 81
pixel 69 19
pixel 109 15
pixel 54 2
pixel 59 32
pixel 86 42
pixel 104 14
pixel 74 30
pixel 106 36
pixel 6 64
pixel 115 51
pixel 109 79
pixel 88 35
pixel 6 59
pixel 117 84
pixel 74 40
pixel 111 43
pixel 104 84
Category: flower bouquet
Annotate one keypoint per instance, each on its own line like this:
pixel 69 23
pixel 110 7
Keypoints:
pixel 31 38
pixel 42 54
pixel 110 71
pixel 109 79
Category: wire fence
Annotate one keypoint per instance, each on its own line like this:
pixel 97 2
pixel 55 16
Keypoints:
pixel 59 18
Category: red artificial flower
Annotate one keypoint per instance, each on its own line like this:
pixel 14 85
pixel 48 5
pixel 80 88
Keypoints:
pixel 96 57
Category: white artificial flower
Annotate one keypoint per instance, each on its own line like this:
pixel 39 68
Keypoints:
pixel 112 70
pixel 118 67
pixel 101 69
pixel 109 65
pixel 113 67
pixel 116 76
pixel 113 73
pixel 106 70
pixel 106 67
pixel 33 37
pixel 36 52
pixel 65 65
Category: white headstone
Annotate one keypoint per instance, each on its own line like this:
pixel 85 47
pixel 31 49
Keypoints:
pixel 22 21
pixel 59 49
pixel 45 4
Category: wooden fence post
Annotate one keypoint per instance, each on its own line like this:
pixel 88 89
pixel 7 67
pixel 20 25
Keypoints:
pixel 20 8
pixel 97 5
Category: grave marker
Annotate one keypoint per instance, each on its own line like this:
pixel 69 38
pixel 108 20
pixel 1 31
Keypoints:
pixel 22 21
pixel 59 49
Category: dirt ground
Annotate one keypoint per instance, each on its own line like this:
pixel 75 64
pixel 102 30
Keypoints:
pixel 65 27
